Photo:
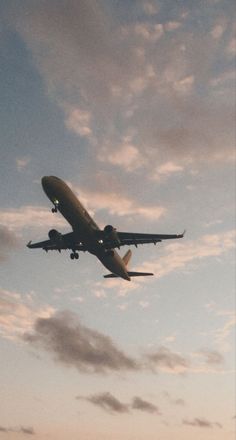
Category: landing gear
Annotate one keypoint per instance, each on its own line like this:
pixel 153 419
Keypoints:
pixel 74 255
pixel 56 204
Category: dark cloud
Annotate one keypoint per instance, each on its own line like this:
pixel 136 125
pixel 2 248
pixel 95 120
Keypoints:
pixel 201 423
pixel 29 430
pixel 88 350
pixel 164 358
pixel 107 402
pixel 76 345
pixel 212 357
pixel 8 242
pixel 21 430
pixel 2 429
pixel 111 404
pixel 143 405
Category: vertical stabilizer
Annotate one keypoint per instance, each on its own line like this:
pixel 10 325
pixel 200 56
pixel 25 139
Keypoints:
pixel 127 256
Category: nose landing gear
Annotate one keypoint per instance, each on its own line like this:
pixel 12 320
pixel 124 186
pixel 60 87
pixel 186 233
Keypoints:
pixel 56 204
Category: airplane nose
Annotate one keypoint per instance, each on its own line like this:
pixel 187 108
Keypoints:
pixel 44 182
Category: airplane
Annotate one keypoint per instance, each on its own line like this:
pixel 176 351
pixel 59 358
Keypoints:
pixel 87 236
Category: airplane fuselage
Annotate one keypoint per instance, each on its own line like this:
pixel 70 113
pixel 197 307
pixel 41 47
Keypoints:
pixel 84 227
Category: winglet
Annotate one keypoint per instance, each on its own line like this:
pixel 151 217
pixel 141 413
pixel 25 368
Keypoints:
pixel 29 244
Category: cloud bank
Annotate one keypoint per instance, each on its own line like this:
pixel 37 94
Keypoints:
pixel 162 69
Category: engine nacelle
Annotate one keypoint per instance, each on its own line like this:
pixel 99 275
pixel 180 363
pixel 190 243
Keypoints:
pixel 111 234
pixel 54 236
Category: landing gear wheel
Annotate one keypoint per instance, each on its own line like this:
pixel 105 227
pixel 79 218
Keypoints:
pixel 72 256
pixel 54 210
pixel 76 256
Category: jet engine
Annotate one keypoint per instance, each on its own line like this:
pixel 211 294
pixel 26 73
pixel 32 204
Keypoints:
pixel 55 236
pixel 111 235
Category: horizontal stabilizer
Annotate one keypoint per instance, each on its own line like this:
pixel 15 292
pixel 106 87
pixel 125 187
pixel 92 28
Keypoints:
pixel 131 274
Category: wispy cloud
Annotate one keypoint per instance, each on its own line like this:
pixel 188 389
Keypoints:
pixel 120 85
pixel 180 256
pixel 222 333
pixel 118 204
pixel 8 242
pixel 164 359
pixel 78 121
pixel 167 169
pixel 126 156
pixel 144 405
pixel 21 430
pixel 30 217
pixel 201 423
pixel 22 163
pixel 18 313
pixel 212 357
pixel 109 403
pixel 178 401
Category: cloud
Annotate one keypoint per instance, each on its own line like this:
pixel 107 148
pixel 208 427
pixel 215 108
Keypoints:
pixel 149 32
pixel 143 405
pixel 118 204
pixel 183 116
pixel 150 8
pixel 111 404
pixel 30 217
pixel 178 402
pixel 107 402
pixel 74 344
pixel 201 423
pixel 18 313
pixel 166 360
pixel 21 430
pixel 212 357
pixel 180 256
pixel 22 163
pixel 167 169
pixel 114 203
pixel 223 333
pixel 126 156
pixel 231 48
pixel 172 25
pixel 79 121
pixel 8 242
pixel 217 31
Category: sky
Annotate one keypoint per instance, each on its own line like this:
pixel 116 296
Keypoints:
pixel 132 103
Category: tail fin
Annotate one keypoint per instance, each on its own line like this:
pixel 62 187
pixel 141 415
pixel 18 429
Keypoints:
pixel 131 274
pixel 126 257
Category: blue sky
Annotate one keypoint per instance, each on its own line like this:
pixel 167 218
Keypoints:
pixel 133 105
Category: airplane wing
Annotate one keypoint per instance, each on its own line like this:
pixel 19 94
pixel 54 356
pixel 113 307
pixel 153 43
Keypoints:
pixel 133 238
pixel 66 241
pixel 117 239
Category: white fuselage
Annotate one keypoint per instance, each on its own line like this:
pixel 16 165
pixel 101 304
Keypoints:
pixel 82 224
